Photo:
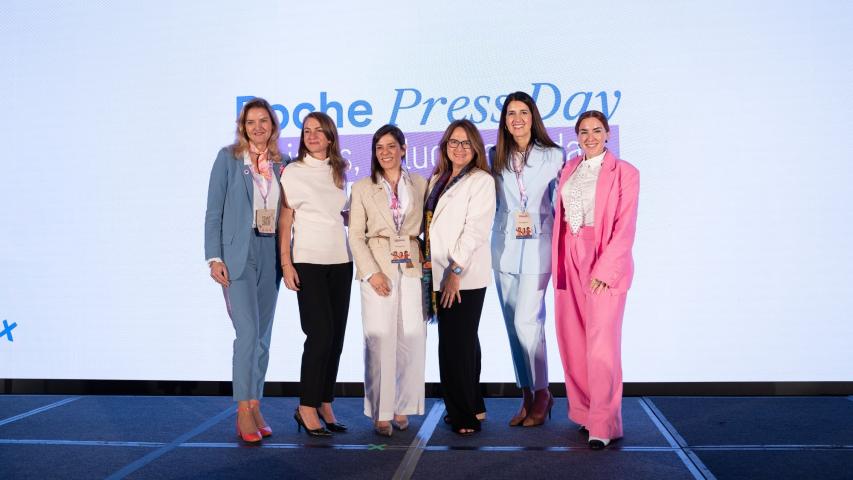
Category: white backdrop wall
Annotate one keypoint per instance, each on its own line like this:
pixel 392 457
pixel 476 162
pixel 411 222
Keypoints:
pixel 737 115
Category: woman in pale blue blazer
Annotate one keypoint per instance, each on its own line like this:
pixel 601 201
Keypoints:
pixel 526 164
pixel 240 247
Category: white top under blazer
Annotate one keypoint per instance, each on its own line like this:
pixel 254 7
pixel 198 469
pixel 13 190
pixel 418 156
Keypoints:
pixel 460 229
pixel 578 194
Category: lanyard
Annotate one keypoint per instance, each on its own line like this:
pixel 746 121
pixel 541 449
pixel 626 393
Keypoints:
pixel 518 169
pixel 264 190
pixel 396 208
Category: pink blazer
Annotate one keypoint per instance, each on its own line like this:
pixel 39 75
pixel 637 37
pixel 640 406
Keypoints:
pixel 616 196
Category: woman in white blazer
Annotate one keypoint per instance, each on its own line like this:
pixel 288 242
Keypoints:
pixel 458 215
pixel 386 215
pixel 526 164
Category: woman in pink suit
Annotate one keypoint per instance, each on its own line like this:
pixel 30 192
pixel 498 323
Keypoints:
pixel 596 217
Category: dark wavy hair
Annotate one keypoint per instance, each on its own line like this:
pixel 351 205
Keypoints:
pixel 506 145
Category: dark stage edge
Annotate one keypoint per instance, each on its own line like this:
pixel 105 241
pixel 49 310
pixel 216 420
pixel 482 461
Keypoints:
pixel 142 437
pixel 27 386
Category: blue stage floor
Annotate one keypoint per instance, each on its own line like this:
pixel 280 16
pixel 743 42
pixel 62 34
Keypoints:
pixel 71 437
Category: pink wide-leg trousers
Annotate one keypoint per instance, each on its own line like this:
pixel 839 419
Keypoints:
pixel 589 335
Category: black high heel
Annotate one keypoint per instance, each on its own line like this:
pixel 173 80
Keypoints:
pixel 332 426
pixel 317 432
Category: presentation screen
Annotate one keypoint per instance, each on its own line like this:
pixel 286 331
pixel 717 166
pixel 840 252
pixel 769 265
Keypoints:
pixel 737 115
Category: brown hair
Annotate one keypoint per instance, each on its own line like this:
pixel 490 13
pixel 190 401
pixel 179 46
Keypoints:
pixel 477 147
pixel 393 130
pixel 336 160
pixel 506 145
pixel 241 142
pixel 592 114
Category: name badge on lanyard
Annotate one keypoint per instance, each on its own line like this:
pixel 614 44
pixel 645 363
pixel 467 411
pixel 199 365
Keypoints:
pixel 265 220
pixel 264 217
pixel 401 249
pixel 523 225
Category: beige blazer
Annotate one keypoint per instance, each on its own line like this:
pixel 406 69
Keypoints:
pixel 460 230
pixel 371 225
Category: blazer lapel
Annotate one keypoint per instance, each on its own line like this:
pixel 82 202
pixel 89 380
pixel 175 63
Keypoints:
pixel 511 185
pixel 571 166
pixel 415 210
pixel 448 195
pixel 568 170
pixel 246 172
pixel 565 174
pixel 380 201
pixel 535 167
pixel 602 187
pixel 277 168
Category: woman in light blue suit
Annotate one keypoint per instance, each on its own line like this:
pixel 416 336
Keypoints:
pixel 526 164
pixel 240 247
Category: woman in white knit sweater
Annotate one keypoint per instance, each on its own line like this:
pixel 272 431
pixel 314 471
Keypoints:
pixel 317 264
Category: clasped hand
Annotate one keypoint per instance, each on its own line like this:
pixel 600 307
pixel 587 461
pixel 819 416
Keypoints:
pixel 597 286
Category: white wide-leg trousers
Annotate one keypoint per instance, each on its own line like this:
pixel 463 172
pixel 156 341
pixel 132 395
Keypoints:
pixel 394 349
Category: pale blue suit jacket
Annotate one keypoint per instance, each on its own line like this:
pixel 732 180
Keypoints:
pixel 230 212
pixel 528 256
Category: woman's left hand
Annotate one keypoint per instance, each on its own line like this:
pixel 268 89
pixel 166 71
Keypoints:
pixel 450 290
pixel 597 286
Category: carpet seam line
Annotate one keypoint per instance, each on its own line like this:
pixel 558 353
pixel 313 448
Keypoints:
pixel 413 454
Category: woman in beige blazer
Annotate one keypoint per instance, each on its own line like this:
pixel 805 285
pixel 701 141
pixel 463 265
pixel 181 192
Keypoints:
pixel 385 221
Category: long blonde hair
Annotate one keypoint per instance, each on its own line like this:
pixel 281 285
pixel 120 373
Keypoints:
pixel 241 143
pixel 336 160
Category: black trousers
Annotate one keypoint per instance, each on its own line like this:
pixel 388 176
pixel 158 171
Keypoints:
pixel 459 359
pixel 323 296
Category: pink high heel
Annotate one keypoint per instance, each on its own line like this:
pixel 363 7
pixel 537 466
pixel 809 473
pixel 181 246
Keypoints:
pixel 254 437
pixel 266 431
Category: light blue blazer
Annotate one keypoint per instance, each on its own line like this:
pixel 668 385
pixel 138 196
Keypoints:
pixel 229 217
pixel 529 256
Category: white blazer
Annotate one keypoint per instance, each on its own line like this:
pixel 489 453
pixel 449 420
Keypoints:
pixel 460 228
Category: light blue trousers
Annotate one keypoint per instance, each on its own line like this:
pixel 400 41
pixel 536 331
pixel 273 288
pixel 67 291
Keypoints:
pixel 251 301
pixel 522 298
